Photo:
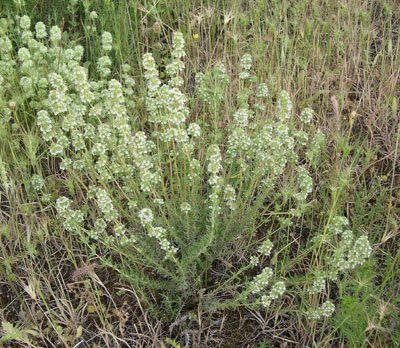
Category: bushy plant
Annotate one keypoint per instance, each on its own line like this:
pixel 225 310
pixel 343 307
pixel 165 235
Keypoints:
pixel 163 194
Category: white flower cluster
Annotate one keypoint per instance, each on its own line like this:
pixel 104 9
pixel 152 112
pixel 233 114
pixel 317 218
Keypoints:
pixel 194 130
pixel 254 260
pixel 302 137
pixel 6 44
pixel 40 29
pixel 214 160
pixel 24 54
pixel 179 46
pixel 325 310
pixel 360 252
pixel 46 125
pixel 211 86
pixel 151 74
pixel 174 68
pixel 25 22
pixel 115 104
pixel 58 147
pixel 106 41
pixel 194 170
pixel 347 255
pixel 166 104
pixel 246 62
pixel 304 182
pixel 58 99
pixel 185 208
pixel 27 85
pixel 72 219
pixel 316 146
pixel 284 106
pixel 306 115
pixel 82 85
pixel 202 88
pixel 277 291
pixel 262 91
pixel 55 35
pixel 271 148
pixel 239 142
pixel 120 232
pixel 106 206
pixel 337 223
pixel 261 281
pixel 221 78
pixel 37 182
pixel 100 226
pixel 318 285
pixel 103 66
pixel 129 83
pixel 168 107
pixel 230 197
pixel 139 148
pixel 265 248
pixel 146 219
pixel 160 233
pixel 93 15
pixel 241 117
pixel 347 239
pixel 63 98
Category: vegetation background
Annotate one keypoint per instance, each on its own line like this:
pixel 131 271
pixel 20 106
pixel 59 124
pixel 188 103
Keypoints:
pixel 339 57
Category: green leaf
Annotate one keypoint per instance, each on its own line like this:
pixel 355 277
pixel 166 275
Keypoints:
pixel 172 342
